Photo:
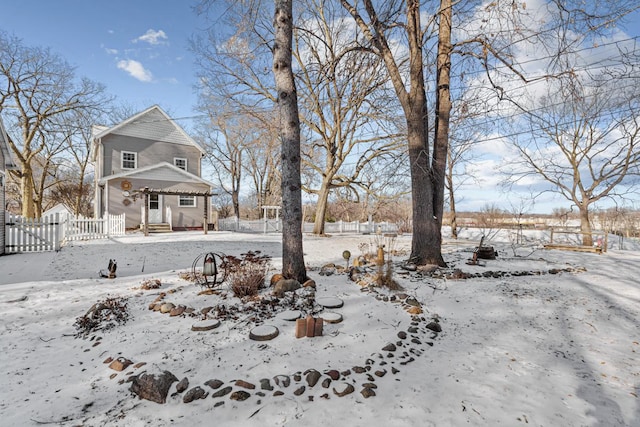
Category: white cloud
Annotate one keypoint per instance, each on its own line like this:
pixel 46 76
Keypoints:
pixel 135 69
pixel 153 37
pixel 111 51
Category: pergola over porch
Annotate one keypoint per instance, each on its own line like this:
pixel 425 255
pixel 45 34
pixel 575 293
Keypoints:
pixel 146 191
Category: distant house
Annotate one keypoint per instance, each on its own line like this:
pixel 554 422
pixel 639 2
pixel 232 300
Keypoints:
pixel 5 164
pixel 60 208
pixel 149 157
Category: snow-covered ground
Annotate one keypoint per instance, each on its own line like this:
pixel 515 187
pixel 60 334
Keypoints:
pixel 546 349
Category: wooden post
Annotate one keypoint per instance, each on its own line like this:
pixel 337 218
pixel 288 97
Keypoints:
pixel 205 223
pixel 146 212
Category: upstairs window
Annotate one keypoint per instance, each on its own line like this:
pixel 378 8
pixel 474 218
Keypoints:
pixel 188 201
pixel 129 160
pixel 180 162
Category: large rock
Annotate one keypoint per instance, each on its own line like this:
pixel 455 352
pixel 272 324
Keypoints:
pixel 285 285
pixel 153 387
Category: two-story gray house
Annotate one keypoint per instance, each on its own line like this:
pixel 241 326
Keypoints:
pixel 149 150
pixel 5 164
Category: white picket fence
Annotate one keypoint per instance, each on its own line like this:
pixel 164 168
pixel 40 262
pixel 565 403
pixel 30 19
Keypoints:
pixel 339 227
pixel 82 228
pixel 49 232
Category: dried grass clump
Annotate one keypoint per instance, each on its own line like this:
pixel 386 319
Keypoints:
pixel 103 315
pixel 246 275
pixel 150 284
pixel 385 278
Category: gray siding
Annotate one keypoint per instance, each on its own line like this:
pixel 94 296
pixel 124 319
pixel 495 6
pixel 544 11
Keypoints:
pixel 2 217
pixel 2 197
pixel 148 153
pixel 188 217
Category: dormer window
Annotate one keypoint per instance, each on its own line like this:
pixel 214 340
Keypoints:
pixel 180 162
pixel 129 160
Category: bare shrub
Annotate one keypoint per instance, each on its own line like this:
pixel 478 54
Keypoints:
pixel 247 274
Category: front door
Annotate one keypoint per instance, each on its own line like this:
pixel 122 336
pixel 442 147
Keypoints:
pixel 155 208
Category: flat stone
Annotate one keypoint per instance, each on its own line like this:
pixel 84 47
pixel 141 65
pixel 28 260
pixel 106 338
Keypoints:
pixel 120 364
pixel 265 384
pixel 389 347
pixel 182 385
pixel 289 315
pixel 214 384
pixel 367 392
pixel 195 393
pixel 222 392
pixel 312 377
pixel 331 317
pixel 205 325
pixel 245 384
pixel 177 311
pixel 330 302
pixel 434 326
pixel 343 389
pixel 333 374
pixel 239 395
pixel 263 333
pixel 166 307
pixel 282 380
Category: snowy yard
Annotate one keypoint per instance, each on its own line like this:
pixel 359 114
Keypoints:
pixel 558 346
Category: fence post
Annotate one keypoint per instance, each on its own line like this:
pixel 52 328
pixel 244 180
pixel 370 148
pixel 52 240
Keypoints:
pixel 58 233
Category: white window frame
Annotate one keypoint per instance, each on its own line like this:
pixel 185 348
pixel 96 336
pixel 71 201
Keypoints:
pixel 183 198
pixel 177 159
pixel 135 159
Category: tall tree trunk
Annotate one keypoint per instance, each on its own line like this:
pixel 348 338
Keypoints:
pixel 454 220
pixel 292 256
pixel 426 244
pixel 585 225
pixel 27 188
pixel 321 209
pixel 443 110
pixel 235 201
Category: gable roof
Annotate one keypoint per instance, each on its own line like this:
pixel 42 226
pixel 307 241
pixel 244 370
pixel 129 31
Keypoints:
pixel 153 123
pixel 5 148
pixel 161 171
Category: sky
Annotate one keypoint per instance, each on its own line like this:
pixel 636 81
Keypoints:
pixel 139 50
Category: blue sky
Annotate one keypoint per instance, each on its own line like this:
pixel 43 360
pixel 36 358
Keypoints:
pixel 137 48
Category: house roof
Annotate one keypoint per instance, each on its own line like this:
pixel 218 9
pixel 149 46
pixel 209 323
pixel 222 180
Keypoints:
pixel 6 149
pixel 59 208
pixel 161 171
pixel 153 123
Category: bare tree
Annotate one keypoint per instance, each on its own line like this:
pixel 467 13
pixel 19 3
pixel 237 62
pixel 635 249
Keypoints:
pixel 380 29
pixel 225 134
pixel 584 141
pixel 37 86
pixel 292 256
pixel 344 103
pixel 263 164
pixel 73 185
